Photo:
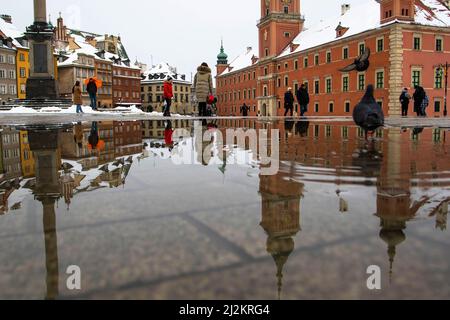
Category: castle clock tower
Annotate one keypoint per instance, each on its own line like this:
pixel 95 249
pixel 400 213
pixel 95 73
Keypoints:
pixel 280 23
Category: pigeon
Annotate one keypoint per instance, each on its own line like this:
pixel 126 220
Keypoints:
pixel 368 114
pixel 360 64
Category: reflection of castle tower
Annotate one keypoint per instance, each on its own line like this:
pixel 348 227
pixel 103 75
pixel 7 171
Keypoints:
pixel 45 145
pixel 280 218
pixel 394 198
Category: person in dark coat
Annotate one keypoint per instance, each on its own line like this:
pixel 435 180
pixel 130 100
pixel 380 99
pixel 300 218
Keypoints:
pixel 418 96
pixel 244 110
pixel 303 99
pixel 92 89
pixel 404 100
pixel 368 114
pixel 289 102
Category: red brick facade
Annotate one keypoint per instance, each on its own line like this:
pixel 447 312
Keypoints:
pixel 126 85
pixel 397 61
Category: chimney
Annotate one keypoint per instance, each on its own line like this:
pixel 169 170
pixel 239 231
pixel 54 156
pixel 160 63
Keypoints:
pixel 344 8
pixel 6 17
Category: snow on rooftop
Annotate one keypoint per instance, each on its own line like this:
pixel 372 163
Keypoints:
pixel 359 18
pixel 363 17
pixel 242 61
pixel 163 69
pixel 11 31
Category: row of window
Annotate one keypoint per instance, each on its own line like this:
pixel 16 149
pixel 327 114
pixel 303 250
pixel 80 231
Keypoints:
pixel 416 76
pixel 12 168
pixel 438 44
pixel 10 153
pixel 161 88
pixel 7 59
pixel 159 97
pixel 126 82
pixel 237 79
pixel 361 78
pixel 10 138
pixel 126 73
pixel 380 46
pixel 10 89
pixel 237 95
pixel 7 74
pixel 126 94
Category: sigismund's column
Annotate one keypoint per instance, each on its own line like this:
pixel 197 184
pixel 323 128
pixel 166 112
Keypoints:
pixel 42 83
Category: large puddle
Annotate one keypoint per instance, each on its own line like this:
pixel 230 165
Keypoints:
pixel 294 210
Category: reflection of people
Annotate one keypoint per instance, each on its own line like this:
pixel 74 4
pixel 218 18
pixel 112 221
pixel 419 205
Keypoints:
pixel 92 90
pixel 94 139
pixel 76 96
pixel 78 134
pixel 203 146
pixel 168 133
pixel 301 128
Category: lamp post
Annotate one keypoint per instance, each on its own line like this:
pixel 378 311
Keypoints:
pixel 443 70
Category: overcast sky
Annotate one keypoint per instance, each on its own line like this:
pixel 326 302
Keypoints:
pixel 183 33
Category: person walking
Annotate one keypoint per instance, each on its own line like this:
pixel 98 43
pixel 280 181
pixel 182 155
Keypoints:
pixel 419 96
pixel 303 99
pixel 76 96
pixel 168 95
pixel 424 105
pixel 203 87
pixel 91 88
pixel 405 98
pixel 289 102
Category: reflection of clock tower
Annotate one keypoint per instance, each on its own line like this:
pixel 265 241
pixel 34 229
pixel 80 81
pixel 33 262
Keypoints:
pixel 280 218
pixel 280 23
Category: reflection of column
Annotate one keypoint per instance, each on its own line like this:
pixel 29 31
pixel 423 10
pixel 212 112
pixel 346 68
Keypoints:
pixel 393 198
pixel 51 247
pixel 44 145
pixel 280 218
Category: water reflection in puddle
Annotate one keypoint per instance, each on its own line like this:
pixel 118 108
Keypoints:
pixel 149 214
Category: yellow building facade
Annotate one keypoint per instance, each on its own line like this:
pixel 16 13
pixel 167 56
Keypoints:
pixel 23 71
pixel 26 156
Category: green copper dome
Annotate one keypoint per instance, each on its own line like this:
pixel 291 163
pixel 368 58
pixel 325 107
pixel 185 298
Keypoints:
pixel 222 57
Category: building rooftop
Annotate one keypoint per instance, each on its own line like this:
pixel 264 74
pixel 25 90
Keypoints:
pixel 161 72
pixel 11 31
pixel 358 18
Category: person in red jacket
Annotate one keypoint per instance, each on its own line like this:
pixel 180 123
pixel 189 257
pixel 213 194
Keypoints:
pixel 168 95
